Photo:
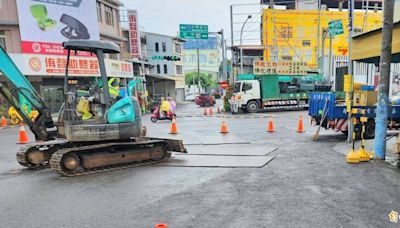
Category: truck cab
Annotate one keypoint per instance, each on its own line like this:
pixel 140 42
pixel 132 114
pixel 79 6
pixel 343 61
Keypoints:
pixel 248 95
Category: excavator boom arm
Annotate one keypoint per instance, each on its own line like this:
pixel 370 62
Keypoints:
pixel 43 127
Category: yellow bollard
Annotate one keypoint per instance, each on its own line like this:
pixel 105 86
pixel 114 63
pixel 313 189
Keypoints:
pixel 353 157
pixel 362 153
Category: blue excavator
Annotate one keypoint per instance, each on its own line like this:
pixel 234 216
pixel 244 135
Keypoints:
pixel 94 132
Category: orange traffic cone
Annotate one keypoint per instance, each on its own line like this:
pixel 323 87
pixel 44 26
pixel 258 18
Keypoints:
pixel 3 122
pixel 224 127
pixel 161 225
pixel 270 127
pixel 174 129
pixel 218 110
pixel 205 111
pixel 23 137
pixel 210 112
pixel 300 125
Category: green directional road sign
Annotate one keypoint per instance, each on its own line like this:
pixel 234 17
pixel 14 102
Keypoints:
pixel 335 28
pixel 193 31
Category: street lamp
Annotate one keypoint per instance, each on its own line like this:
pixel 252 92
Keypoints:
pixel 241 43
pixel 223 47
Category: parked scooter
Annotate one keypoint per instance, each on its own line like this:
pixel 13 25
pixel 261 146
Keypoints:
pixel 155 116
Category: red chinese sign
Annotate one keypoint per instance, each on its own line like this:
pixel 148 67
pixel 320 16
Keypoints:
pixel 134 37
pixel 126 67
pixel 43 48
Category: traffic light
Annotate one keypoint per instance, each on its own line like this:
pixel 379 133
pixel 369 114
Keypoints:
pixel 172 58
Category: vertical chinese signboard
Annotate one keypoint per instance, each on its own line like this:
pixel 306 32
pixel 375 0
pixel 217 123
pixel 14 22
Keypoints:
pixel 134 35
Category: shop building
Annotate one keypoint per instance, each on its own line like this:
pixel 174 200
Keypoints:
pixel 165 54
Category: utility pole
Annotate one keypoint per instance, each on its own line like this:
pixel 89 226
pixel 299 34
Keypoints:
pixel 231 25
pixel 384 79
pixel 324 34
pixel 241 43
pixel 330 60
pixel 232 55
pixel 350 71
pixel 224 54
pixel 198 69
pixel 194 83
pixel 143 108
pixel 224 61
pixel 318 34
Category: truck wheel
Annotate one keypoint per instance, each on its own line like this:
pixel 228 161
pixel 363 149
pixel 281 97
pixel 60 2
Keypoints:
pixel 369 129
pixel 356 130
pixel 14 121
pixel 252 106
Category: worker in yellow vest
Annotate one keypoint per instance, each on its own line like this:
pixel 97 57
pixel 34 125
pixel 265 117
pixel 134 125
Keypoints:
pixel 113 87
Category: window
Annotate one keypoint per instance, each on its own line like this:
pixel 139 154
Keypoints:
pixel 247 86
pixel 178 48
pixel 237 87
pixel 285 32
pixel 99 14
pixel 136 70
pixel 179 70
pixel 164 47
pixel 109 15
pixel 165 69
pixel 287 57
pixel 358 30
pixel 3 39
pixel 157 48
pixel 113 56
pixel 158 69
pixel 306 42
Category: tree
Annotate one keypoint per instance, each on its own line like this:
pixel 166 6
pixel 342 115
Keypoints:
pixel 205 80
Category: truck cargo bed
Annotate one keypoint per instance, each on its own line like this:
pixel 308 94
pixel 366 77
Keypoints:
pixel 337 109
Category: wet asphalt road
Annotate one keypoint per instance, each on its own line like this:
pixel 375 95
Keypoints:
pixel 308 184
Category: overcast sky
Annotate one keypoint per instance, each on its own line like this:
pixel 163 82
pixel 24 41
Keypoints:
pixel 164 16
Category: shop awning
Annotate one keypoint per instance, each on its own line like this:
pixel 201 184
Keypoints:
pixel 366 47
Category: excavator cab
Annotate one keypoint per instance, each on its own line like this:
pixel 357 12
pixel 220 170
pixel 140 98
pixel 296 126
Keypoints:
pixel 98 115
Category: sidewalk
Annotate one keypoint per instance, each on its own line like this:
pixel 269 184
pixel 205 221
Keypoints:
pixel 392 156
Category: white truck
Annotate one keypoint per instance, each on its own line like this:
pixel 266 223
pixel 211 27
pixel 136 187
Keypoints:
pixel 267 93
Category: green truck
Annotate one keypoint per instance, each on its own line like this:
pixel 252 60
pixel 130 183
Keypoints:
pixel 271 91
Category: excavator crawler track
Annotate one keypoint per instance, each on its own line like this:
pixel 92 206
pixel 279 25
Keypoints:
pixel 93 156
pixel 49 146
